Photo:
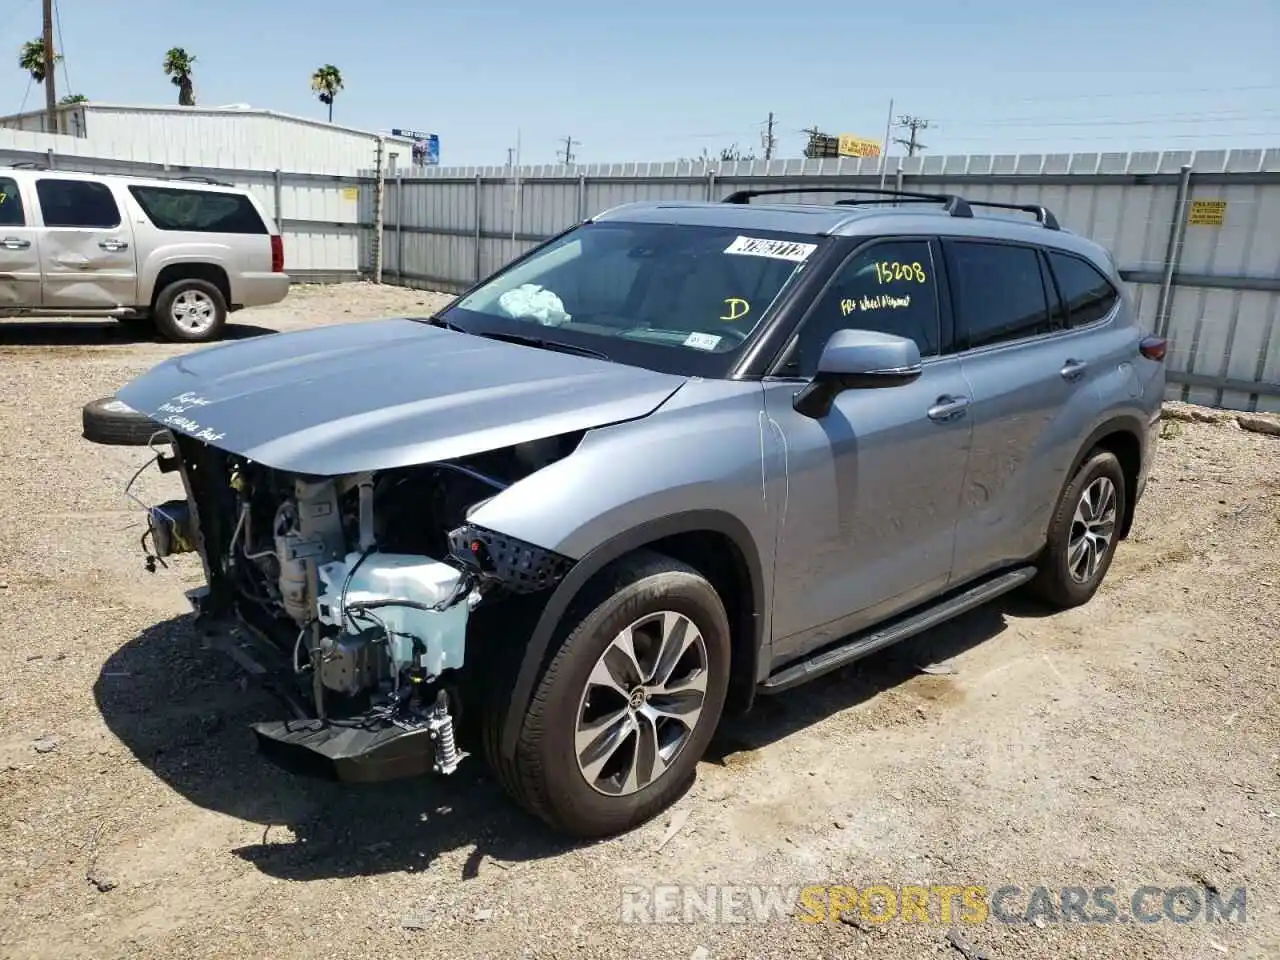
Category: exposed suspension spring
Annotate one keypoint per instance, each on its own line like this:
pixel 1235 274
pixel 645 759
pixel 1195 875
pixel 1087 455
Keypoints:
pixel 440 725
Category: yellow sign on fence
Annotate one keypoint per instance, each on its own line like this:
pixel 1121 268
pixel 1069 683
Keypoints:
pixel 851 146
pixel 350 193
pixel 1207 213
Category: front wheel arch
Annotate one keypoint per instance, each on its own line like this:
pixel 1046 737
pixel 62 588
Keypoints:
pixel 649 535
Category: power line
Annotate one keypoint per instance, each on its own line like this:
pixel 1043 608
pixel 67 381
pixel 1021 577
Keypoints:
pixel 915 125
pixel 997 138
pixel 1174 118
pixel 1167 92
pixel 569 144
pixel 62 45
pixel 768 140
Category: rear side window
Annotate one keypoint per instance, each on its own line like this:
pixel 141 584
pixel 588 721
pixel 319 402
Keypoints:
pixel 10 204
pixel 999 292
pixel 1088 295
pixel 77 203
pixel 198 211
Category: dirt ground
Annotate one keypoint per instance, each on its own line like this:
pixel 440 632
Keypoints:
pixel 1132 742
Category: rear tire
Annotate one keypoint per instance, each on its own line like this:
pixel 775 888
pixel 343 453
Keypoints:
pixel 190 311
pixel 600 749
pixel 111 422
pixel 1084 533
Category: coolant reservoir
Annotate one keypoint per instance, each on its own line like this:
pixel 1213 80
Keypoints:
pixel 391 576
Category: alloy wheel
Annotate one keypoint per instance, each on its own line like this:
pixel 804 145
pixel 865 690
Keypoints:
pixel 641 704
pixel 1093 528
pixel 193 311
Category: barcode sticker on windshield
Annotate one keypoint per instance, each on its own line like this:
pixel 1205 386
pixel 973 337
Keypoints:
pixel 775 249
pixel 702 341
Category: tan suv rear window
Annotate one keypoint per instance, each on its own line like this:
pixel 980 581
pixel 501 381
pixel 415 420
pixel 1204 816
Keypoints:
pixel 199 211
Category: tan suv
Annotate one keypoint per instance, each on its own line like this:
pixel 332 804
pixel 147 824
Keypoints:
pixel 180 253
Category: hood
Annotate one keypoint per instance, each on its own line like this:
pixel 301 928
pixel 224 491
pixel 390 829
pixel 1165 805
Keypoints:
pixel 388 393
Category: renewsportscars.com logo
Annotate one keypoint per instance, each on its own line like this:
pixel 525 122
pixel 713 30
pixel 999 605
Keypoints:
pixel 941 904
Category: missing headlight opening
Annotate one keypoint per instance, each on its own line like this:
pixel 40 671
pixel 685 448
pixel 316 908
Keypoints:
pixel 364 585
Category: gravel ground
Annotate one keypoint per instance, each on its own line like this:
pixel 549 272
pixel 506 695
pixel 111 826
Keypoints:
pixel 1134 741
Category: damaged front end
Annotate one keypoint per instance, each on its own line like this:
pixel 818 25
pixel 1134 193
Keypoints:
pixel 363 591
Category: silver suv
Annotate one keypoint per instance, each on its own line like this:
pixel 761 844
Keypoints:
pixel 678 456
pixel 181 253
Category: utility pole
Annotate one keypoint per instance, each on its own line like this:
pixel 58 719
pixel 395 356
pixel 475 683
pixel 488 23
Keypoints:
pixel 50 93
pixel 510 152
pixel 769 141
pixel 915 125
pixel 569 144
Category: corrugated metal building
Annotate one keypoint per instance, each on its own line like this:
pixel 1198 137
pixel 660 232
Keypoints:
pixel 232 138
pixel 306 172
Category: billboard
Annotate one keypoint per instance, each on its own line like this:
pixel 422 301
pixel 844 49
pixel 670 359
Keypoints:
pixel 851 146
pixel 426 146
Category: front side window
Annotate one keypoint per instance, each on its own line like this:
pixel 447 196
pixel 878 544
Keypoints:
pixel 690 289
pixel 77 203
pixel 998 291
pixel 1089 296
pixel 198 211
pixel 11 204
pixel 887 287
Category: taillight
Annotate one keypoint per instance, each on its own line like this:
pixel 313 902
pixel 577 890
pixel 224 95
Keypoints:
pixel 1153 348
pixel 277 253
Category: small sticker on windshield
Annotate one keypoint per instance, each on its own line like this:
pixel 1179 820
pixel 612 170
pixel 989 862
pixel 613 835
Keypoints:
pixel 774 249
pixel 702 341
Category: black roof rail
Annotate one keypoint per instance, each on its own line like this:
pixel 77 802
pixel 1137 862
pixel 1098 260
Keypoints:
pixel 1043 214
pixel 208 180
pixel 27 165
pixel 955 206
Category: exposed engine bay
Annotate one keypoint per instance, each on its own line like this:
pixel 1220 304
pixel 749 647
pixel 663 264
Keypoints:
pixel 365 584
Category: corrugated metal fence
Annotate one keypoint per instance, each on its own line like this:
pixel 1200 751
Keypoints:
pixel 327 220
pixel 1197 235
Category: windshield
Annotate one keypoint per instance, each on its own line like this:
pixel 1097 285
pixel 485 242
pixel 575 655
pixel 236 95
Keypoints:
pixel 618 287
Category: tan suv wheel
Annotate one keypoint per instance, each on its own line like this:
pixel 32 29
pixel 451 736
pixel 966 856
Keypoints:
pixel 191 311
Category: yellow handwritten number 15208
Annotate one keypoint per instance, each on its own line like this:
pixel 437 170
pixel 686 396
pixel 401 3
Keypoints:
pixel 888 271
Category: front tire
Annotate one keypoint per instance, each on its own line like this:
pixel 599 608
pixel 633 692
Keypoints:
pixel 1084 533
pixel 190 311
pixel 627 706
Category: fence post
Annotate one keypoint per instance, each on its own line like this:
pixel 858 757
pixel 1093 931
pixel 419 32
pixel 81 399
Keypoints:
pixel 278 191
pixel 1173 252
pixel 52 165
pixel 379 211
pixel 478 238
pixel 711 185
pixel 400 227
pixel 582 197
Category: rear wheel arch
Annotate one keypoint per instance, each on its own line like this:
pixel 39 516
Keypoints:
pixel 715 543
pixel 192 270
pixel 1123 437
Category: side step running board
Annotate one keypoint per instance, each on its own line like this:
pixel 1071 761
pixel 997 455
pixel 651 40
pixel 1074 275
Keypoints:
pixel 892 632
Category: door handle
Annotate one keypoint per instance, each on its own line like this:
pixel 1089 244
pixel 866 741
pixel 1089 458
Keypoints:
pixel 1073 369
pixel 14 243
pixel 113 245
pixel 948 408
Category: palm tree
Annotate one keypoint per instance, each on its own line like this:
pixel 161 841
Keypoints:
pixel 31 59
pixel 326 82
pixel 177 66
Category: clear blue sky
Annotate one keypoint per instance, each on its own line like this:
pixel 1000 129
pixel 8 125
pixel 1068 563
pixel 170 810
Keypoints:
pixel 661 79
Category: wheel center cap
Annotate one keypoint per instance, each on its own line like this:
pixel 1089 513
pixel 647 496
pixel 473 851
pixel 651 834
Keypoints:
pixel 637 698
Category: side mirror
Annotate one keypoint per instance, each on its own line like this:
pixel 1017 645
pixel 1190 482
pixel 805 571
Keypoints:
pixel 857 359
